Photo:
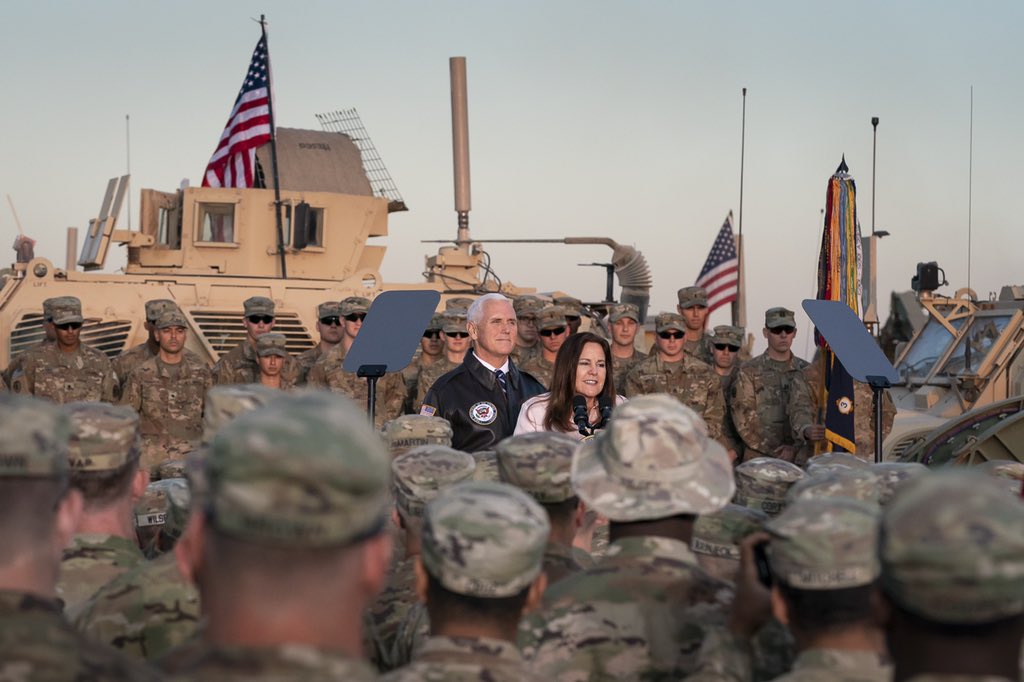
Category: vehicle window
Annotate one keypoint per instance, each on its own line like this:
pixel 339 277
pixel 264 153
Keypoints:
pixel 981 336
pixel 217 223
pixel 926 350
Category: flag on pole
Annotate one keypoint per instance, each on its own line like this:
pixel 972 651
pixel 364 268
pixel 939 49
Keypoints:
pixel 233 164
pixel 720 274
pixel 840 265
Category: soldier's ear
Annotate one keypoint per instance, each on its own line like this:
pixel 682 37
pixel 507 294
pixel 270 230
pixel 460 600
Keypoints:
pixel 376 556
pixel 536 593
pixel 139 482
pixel 578 517
pixel 779 608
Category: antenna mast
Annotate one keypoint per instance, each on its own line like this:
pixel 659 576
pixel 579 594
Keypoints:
pixel 460 147
pixel 970 189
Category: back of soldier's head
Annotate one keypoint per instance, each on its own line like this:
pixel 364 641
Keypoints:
pixel 540 464
pixel 717 537
pixel 423 473
pixel 103 452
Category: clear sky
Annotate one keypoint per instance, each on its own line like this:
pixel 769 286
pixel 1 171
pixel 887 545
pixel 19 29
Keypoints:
pixel 587 118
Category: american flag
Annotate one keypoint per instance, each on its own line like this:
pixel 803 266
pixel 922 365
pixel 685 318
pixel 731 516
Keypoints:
pixel 720 274
pixel 234 162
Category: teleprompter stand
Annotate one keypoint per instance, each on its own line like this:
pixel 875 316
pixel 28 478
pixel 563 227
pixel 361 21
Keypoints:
pixel 857 350
pixel 389 337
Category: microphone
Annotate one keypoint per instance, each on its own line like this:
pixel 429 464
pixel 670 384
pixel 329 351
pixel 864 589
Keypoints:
pixel 579 414
pixel 604 407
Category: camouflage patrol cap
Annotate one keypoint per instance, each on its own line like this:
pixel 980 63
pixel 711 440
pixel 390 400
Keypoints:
pixel 64 309
pixel 952 548
pixel 169 468
pixel 857 484
pixel 486 466
pixel 455 323
pixel 834 461
pixel 272 344
pixel 484 539
pixel 258 305
pixel 305 471
pixel 458 303
pixel 621 311
pixel 158 306
pixel 354 305
pixel 171 318
pixel 48 307
pixel 892 476
pixel 35 438
pixel 538 463
pixel 552 317
pixel 104 437
pixel 328 309
pixel 436 323
pixel 719 534
pixel 779 317
pixel 421 474
pixel 224 403
pixel 527 305
pixel 152 507
pixel 666 321
pixel 726 333
pixel 412 430
pixel 654 460
pixel 762 483
pixel 692 296
pixel 573 306
pixel 825 544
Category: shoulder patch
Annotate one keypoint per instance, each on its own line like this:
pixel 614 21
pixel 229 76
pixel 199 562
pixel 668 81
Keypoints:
pixel 428 410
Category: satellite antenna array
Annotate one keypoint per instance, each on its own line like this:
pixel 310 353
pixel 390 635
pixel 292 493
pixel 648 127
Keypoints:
pixel 347 122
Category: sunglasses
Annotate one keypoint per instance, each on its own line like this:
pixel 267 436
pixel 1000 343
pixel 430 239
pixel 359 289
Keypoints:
pixel 69 325
pixel 783 330
pixel 260 319
pixel 332 321
pixel 552 332
pixel 432 335
pixel 457 335
pixel 671 335
pixel 356 317
pixel 725 346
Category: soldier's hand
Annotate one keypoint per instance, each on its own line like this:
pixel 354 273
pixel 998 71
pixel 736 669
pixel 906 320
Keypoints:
pixel 814 432
pixel 752 605
pixel 785 452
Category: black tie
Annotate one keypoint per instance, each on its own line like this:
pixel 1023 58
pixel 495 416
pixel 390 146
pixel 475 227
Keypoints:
pixel 501 380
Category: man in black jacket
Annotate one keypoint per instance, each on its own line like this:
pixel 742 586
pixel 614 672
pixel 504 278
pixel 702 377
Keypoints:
pixel 482 396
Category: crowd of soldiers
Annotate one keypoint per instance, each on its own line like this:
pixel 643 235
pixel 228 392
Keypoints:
pixel 268 534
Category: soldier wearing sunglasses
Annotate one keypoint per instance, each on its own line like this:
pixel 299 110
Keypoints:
pixel 670 369
pixel 771 401
pixel 431 351
pixel 456 342
pixel 329 327
pixel 553 328
pixel 240 365
pixel 67 370
pixel 725 350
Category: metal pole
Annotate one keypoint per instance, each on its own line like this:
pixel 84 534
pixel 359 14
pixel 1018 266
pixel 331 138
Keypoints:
pixel 273 150
pixel 71 248
pixel 128 162
pixel 460 146
pixel 970 189
pixel 739 306
pixel 874 155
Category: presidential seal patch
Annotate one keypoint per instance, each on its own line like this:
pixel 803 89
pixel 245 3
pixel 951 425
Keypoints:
pixel 483 413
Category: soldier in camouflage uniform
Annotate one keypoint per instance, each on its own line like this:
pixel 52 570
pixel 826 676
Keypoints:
pixel 430 352
pixel 330 327
pixel 418 476
pixel 671 370
pixel 574 311
pixel 37 517
pixel 771 401
pixel 856 484
pixel 725 347
pixel 763 482
pixel 624 322
pixel 155 533
pixel 168 392
pixel 480 570
pixel 641 613
pixel 66 370
pixel 717 537
pixel 150 609
pixel 553 330
pixel 538 463
pixel 693 307
pixel 952 554
pixel 49 337
pixel 527 344
pixel 456 343
pixel 240 365
pixel 272 355
pixel 285 543
pixel 833 461
pixel 104 456
pixel 412 430
pixel 133 357
pixel 893 475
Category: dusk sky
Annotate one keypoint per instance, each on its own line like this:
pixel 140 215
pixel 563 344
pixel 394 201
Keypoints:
pixel 587 118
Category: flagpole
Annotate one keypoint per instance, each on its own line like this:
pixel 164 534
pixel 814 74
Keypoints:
pixel 273 150
pixel 739 306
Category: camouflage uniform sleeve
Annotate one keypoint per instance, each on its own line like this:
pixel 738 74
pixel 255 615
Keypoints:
pixel 714 412
pixel 423 384
pixel 131 393
pixel 110 390
pixel 634 386
pixel 315 376
pixel 723 657
pixel 219 373
pixel 801 407
pixel 744 413
pixel 391 400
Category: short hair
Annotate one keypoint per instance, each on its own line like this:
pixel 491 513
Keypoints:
pixel 823 610
pixel 475 314
pixel 562 513
pixel 286 564
pixel 101 488
pixel 27 511
pixel 443 605
pixel 979 631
